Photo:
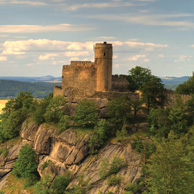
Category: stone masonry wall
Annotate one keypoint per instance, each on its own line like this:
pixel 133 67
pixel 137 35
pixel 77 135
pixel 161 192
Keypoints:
pixel 119 83
pixel 57 91
pixel 79 74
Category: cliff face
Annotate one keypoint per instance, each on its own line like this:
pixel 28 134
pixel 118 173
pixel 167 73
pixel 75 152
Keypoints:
pixel 70 151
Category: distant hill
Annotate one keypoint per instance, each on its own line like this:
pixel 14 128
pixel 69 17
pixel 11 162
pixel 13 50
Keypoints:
pixel 47 78
pixel 173 82
pixel 10 88
pixel 43 86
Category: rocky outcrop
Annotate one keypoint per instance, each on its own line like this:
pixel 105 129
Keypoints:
pixel 28 130
pixel 8 162
pixel 70 151
pixel 91 166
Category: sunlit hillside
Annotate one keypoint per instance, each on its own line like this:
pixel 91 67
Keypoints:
pixel 2 105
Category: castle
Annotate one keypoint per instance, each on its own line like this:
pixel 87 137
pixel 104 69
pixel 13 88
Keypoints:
pixel 94 80
pixel 86 78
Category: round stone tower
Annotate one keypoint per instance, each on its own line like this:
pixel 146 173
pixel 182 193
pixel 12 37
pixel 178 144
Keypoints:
pixel 103 62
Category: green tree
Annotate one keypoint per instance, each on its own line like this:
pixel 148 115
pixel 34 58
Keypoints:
pixel 187 87
pixel 177 120
pixel 41 106
pixel 26 164
pixel 171 167
pixel 119 111
pixel 11 126
pixel 86 113
pixel 14 113
pixel 153 93
pixel 49 185
pixel 100 136
pixel 158 122
pixel 137 77
pixel 56 109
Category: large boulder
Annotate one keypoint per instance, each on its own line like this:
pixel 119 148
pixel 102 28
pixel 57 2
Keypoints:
pixel 89 169
pixel 42 141
pixel 28 130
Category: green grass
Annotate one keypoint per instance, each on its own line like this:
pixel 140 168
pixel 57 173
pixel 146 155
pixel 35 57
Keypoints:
pixel 15 186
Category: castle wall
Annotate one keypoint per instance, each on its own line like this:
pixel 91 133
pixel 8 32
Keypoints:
pixel 171 98
pixel 120 83
pixel 57 91
pixel 79 74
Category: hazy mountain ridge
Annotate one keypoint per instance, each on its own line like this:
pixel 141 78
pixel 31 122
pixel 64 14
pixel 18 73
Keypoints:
pixel 12 88
pixel 31 79
pixel 42 86
pixel 165 80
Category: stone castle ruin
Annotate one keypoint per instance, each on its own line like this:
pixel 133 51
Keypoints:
pixel 93 79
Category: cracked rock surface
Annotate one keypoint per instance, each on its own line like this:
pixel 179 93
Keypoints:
pixel 70 151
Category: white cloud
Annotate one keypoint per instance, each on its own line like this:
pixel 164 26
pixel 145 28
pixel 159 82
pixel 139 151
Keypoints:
pixel 142 44
pixel 3 58
pixel 43 45
pixel 136 57
pixel 98 5
pixel 105 38
pixel 161 55
pixel 116 65
pixel 146 60
pixel 183 58
pixel 171 20
pixel 76 53
pixel 34 3
pixel 48 56
pixel 41 28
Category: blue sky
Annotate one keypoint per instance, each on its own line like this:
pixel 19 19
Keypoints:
pixel 38 37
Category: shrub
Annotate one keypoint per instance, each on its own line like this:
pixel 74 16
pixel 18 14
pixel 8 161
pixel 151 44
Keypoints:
pixel 122 135
pixel 76 189
pixel 56 109
pixel 4 152
pixel 86 113
pixel 38 114
pixel 119 111
pixel 60 183
pixel 114 180
pixel 15 112
pixel 64 123
pixel 107 169
pixel 116 165
pixel 100 137
pixel 48 185
pixel 43 186
pixel 134 188
pixel 11 126
pixel 46 164
pixel 26 164
pixel 137 144
pixel 31 180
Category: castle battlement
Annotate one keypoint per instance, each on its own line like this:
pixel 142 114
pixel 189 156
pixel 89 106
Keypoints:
pixel 78 64
pixel 81 63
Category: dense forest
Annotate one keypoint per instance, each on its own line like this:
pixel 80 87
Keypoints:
pixel 10 88
pixel 166 145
